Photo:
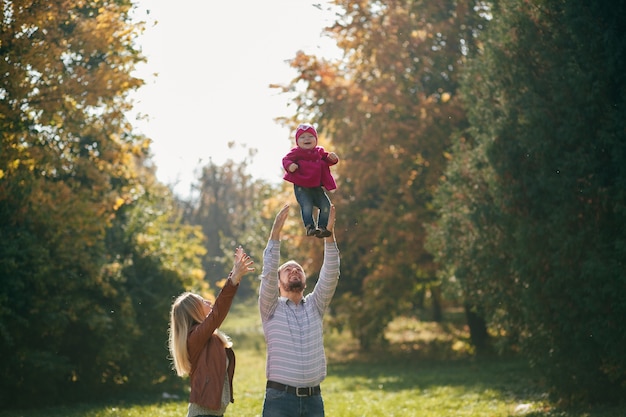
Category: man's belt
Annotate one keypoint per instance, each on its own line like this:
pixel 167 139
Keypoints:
pixel 297 391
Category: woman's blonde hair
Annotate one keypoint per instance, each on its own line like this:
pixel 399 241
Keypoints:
pixel 187 311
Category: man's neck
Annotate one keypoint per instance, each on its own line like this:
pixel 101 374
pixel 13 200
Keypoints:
pixel 294 297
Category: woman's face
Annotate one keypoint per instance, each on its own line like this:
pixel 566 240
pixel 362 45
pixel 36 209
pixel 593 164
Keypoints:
pixel 207 306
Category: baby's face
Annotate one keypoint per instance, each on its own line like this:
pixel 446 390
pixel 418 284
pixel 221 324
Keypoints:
pixel 307 141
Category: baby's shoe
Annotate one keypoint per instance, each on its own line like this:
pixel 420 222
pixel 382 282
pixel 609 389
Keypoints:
pixel 323 232
pixel 311 230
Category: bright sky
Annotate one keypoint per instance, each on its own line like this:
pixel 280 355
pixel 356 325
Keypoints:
pixel 215 61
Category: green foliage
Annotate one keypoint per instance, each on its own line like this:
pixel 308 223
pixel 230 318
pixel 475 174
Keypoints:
pixel 153 258
pixel 526 228
pixel 533 205
pixel 230 208
pixel 91 253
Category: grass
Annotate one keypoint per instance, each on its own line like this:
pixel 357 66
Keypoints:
pixel 400 382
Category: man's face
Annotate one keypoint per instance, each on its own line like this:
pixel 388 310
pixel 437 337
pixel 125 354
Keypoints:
pixel 292 278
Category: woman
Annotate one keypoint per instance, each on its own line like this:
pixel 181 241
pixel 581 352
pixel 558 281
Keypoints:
pixel 199 349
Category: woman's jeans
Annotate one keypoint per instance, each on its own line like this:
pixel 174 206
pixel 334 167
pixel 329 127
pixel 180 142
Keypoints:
pixel 284 404
pixel 309 198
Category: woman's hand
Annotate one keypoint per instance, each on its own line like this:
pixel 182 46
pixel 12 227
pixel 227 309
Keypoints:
pixel 243 265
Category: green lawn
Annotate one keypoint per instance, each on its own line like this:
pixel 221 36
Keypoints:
pixel 401 384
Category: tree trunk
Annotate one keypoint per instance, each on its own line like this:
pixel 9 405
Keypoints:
pixel 478 330
pixel 435 293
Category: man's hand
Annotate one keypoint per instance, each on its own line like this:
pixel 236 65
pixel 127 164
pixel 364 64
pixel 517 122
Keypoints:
pixel 331 221
pixel 279 222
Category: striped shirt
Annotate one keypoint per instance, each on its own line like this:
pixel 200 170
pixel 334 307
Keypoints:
pixel 293 332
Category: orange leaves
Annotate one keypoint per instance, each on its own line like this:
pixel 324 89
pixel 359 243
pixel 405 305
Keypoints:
pixel 68 64
pixel 419 35
pixel 390 108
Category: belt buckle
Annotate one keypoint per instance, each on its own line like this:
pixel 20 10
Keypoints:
pixel 305 390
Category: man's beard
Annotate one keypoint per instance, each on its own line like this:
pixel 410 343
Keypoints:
pixel 294 286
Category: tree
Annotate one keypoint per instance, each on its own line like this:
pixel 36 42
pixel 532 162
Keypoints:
pixel 466 240
pixel 70 164
pixel 389 106
pixel 546 247
pixel 152 257
pixel 228 208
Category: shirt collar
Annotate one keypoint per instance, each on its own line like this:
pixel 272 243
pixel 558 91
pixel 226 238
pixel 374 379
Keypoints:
pixel 287 300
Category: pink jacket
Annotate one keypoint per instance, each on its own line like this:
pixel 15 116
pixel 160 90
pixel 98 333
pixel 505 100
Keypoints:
pixel 313 168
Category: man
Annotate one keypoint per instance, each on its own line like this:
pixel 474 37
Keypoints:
pixel 292 323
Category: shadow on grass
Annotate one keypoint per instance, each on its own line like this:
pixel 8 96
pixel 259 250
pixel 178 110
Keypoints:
pixel 399 372
pixel 442 364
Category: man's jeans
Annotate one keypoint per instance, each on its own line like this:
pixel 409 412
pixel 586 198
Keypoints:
pixel 283 404
pixel 309 198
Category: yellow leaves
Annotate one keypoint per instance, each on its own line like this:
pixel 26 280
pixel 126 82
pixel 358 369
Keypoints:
pixel 13 165
pixel 193 280
pixel 145 144
pixel 412 176
pixel 419 34
pixel 119 202
pixel 419 160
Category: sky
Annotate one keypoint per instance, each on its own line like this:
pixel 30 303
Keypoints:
pixel 214 62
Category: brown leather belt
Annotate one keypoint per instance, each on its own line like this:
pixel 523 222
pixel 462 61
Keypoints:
pixel 299 391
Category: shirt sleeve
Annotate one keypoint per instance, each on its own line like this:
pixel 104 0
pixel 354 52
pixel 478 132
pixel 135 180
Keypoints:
pixel 329 278
pixel 268 292
pixel 200 334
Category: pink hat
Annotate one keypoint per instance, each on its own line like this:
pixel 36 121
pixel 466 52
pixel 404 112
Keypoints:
pixel 305 127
